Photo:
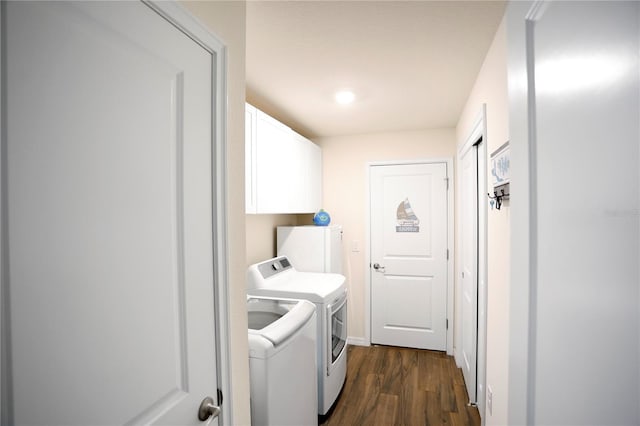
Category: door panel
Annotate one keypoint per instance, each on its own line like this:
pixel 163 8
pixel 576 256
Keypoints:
pixel 108 146
pixel 409 240
pixel 405 304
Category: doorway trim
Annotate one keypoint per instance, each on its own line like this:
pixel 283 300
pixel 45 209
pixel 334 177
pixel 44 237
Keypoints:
pixel 178 15
pixel 477 136
pixel 450 242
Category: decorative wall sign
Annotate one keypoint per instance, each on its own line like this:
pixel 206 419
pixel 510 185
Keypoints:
pixel 500 164
pixel 500 175
pixel 407 221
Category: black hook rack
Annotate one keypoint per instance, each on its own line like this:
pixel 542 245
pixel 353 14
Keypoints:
pixel 500 193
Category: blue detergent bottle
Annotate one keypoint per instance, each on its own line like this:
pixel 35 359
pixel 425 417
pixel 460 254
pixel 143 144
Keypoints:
pixel 321 218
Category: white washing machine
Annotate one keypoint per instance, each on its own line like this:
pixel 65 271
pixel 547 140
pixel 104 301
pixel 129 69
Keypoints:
pixel 282 361
pixel 278 278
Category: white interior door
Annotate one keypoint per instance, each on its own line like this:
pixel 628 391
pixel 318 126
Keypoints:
pixel 108 196
pixel 469 268
pixel 409 245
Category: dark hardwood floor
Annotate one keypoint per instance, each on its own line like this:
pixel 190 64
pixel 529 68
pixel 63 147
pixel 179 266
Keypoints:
pixel 398 386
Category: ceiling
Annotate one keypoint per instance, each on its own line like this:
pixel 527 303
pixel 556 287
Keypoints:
pixel 411 64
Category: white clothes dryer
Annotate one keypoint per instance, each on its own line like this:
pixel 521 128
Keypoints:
pixel 278 278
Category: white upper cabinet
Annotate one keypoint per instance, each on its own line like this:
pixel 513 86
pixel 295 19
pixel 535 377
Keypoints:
pixel 311 175
pixel 283 168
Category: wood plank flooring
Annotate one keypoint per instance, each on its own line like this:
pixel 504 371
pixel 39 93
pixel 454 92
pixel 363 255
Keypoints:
pixel 398 386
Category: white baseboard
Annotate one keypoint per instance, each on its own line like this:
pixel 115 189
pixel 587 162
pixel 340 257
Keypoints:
pixel 357 341
pixel 457 358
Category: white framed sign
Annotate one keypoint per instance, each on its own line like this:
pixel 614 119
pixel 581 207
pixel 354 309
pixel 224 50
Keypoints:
pixel 500 165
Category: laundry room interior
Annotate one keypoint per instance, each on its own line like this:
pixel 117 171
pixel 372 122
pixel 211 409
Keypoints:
pixel 320 212
pixel 288 79
pixel 432 122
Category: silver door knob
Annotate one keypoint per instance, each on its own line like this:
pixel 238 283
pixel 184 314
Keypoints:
pixel 378 267
pixel 207 409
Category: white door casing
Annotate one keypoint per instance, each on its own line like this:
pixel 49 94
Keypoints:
pixel 109 217
pixel 477 140
pixel 469 268
pixel 409 291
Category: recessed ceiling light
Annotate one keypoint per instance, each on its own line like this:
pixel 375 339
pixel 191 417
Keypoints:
pixel 345 97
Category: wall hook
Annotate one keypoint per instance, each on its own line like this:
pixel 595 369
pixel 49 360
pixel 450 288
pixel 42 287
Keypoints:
pixel 500 193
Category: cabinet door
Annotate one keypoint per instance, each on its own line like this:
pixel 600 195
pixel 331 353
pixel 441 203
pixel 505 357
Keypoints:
pixel 306 190
pixel 250 158
pixel 274 171
pixel 314 191
pixel 299 198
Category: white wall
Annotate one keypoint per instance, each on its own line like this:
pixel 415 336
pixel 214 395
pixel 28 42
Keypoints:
pixel 576 243
pixel 261 233
pixel 344 187
pixel 490 88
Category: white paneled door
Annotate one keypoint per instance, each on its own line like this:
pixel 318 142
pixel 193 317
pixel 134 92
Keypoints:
pixel 107 189
pixel 409 255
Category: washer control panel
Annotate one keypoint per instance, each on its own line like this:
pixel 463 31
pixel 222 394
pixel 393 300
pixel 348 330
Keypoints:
pixel 274 266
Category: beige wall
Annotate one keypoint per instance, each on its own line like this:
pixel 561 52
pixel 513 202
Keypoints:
pixel 261 233
pixel 344 161
pixel 491 89
pixel 227 21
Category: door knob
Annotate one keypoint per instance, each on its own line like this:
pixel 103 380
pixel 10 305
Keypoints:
pixel 207 409
pixel 378 267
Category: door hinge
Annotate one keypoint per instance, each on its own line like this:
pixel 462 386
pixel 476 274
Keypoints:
pixel 219 397
pixel 447 254
pixel 447 323
pixel 447 182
